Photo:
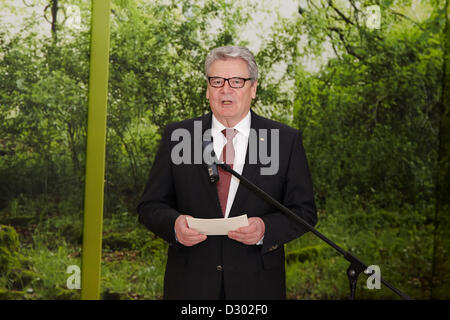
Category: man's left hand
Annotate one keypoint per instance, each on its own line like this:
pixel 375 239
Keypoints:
pixel 250 234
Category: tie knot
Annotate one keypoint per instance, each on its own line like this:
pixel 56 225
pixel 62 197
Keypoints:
pixel 229 133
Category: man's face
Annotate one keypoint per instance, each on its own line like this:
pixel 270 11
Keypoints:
pixel 230 105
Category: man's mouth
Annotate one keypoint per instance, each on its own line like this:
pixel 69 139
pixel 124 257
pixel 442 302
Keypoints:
pixel 227 102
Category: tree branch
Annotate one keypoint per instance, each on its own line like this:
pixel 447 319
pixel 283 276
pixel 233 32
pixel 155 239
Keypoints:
pixel 346 19
pixel 346 45
pixel 406 18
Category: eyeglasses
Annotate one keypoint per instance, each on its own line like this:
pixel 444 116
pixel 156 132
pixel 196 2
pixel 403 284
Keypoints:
pixel 235 82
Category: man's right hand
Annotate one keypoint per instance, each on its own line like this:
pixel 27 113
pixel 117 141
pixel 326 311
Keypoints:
pixel 186 236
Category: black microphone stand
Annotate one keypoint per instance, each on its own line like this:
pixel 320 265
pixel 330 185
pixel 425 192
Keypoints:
pixel 356 265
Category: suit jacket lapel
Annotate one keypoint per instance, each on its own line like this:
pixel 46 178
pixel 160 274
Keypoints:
pixel 250 171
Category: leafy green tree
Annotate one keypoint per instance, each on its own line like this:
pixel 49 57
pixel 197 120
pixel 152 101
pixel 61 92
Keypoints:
pixel 370 115
pixel 368 107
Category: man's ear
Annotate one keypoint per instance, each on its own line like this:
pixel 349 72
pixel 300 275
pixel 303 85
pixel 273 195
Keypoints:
pixel 253 88
pixel 207 93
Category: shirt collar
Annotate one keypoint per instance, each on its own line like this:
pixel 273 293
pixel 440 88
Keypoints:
pixel 242 127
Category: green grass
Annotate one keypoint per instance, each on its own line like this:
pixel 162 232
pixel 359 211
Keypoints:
pixel 133 259
pixel 400 243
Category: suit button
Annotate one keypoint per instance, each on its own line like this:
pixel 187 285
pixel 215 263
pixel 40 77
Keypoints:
pixel 219 268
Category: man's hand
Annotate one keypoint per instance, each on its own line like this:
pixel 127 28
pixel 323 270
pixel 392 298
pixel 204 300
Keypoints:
pixel 250 234
pixel 186 236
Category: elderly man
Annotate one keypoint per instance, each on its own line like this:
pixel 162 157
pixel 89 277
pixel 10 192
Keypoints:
pixel 248 263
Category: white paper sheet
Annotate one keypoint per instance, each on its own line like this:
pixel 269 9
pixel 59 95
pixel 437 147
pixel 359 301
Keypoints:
pixel 217 227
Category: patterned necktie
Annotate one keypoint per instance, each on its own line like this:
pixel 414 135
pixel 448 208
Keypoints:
pixel 227 156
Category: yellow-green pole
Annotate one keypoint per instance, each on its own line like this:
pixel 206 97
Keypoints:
pixel 95 153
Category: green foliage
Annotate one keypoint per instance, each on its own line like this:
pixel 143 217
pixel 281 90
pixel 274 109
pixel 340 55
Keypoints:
pixel 8 238
pixel 377 238
pixel 6 294
pixel 370 133
pixel 307 253
pixel 13 265
pixel 370 118
pixel 139 279
pixel 9 244
pixel 118 241
pixel 52 265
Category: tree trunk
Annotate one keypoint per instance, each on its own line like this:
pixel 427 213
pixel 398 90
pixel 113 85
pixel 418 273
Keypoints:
pixel 441 257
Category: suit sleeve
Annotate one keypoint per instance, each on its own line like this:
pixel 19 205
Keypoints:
pixel 298 197
pixel 157 207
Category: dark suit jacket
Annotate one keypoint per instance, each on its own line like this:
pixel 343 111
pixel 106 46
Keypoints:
pixel 247 271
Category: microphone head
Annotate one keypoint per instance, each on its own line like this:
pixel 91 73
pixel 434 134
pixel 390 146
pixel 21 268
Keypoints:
pixel 210 160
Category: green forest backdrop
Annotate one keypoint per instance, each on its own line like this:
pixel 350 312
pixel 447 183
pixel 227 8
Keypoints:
pixel 369 111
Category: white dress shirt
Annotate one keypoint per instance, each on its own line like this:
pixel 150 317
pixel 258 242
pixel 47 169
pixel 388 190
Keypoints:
pixel 240 142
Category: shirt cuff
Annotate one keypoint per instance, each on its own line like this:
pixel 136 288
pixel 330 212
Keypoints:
pixel 260 242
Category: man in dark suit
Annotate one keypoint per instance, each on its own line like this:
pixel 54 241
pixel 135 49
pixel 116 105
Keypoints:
pixel 248 263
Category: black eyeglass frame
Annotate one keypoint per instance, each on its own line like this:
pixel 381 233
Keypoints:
pixel 228 80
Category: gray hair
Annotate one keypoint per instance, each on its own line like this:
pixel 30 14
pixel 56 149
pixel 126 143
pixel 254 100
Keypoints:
pixel 223 53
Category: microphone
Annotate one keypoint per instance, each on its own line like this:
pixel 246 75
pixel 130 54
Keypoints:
pixel 209 157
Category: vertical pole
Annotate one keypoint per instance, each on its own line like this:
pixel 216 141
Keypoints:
pixel 95 153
